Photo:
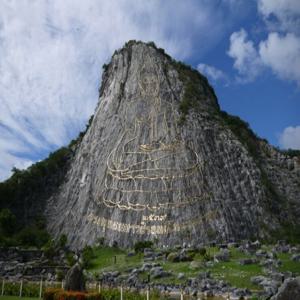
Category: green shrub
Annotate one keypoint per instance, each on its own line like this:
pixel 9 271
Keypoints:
pixel 141 245
pixel 243 131
pixel 173 257
pixel 62 241
pixel 202 251
pixel 291 152
pixel 100 241
pixel 29 289
pixel 106 294
pixel 70 259
pixel 114 294
pixel 105 67
pixel 33 236
pixel 49 249
pixel 207 257
pixel 60 275
pixel 196 90
pixel 87 256
pixel 8 222
pixel 12 288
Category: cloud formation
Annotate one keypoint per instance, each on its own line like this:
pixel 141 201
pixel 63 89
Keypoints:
pixel 282 54
pixel 290 138
pixel 281 15
pixel 280 51
pixel 52 52
pixel 213 73
pixel 245 56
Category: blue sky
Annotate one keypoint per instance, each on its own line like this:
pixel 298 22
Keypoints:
pixel 51 53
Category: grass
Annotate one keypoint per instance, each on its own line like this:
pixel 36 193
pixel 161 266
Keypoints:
pixel 111 259
pixel 232 272
pixel 16 298
pixel 288 264
pixel 237 275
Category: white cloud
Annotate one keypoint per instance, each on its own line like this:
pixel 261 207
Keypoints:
pixel 280 51
pixel 52 51
pixel 282 54
pixel 290 138
pixel 281 14
pixel 244 53
pixel 212 72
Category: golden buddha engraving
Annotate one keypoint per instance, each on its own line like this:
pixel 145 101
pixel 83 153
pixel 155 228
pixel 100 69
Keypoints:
pixel 150 165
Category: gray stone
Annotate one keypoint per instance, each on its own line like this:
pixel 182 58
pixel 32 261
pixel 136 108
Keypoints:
pixel 75 279
pixel 195 265
pixel 260 253
pixel 158 272
pixel 223 255
pixel 142 153
pixel 289 290
pixel 204 275
pixel 248 261
pixel 257 279
pixel 295 257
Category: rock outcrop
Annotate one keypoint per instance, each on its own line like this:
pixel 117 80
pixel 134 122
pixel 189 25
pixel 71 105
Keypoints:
pixel 161 162
pixel 289 290
pixel 75 279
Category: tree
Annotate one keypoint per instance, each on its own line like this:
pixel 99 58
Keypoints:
pixel 8 222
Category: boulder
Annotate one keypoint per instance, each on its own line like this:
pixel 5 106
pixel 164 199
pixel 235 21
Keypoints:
pixel 195 265
pixel 158 272
pixel 260 253
pixel 296 257
pixel 75 279
pixel 248 261
pixel 223 255
pixel 289 290
pixel 173 257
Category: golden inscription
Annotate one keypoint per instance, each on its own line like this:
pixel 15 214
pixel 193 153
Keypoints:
pixel 166 228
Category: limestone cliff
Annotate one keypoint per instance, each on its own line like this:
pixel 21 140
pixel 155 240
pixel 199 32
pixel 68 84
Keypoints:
pixel 160 161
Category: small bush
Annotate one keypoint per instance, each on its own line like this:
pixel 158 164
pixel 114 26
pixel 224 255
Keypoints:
pixel 173 257
pixel 87 256
pixel 202 251
pixel 207 257
pixel 62 241
pixel 141 245
pixel 7 222
pixel 72 295
pixel 60 294
pixel 29 289
pixel 70 259
pixel 60 275
pixel 105 67
pixel 49 249
pixel 33 236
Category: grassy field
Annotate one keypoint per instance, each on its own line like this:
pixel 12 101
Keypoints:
pixel 16 298
pixel 112 259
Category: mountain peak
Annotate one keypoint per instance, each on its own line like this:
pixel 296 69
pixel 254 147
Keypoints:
pixel 160 161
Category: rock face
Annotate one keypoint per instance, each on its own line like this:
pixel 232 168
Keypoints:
pixel 159 162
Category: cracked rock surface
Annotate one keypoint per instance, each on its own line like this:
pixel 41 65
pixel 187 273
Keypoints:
pixel 141 172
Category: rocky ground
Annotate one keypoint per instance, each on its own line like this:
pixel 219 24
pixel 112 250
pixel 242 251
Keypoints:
pixel 31 264
pixel 239 270
pixel 246 269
